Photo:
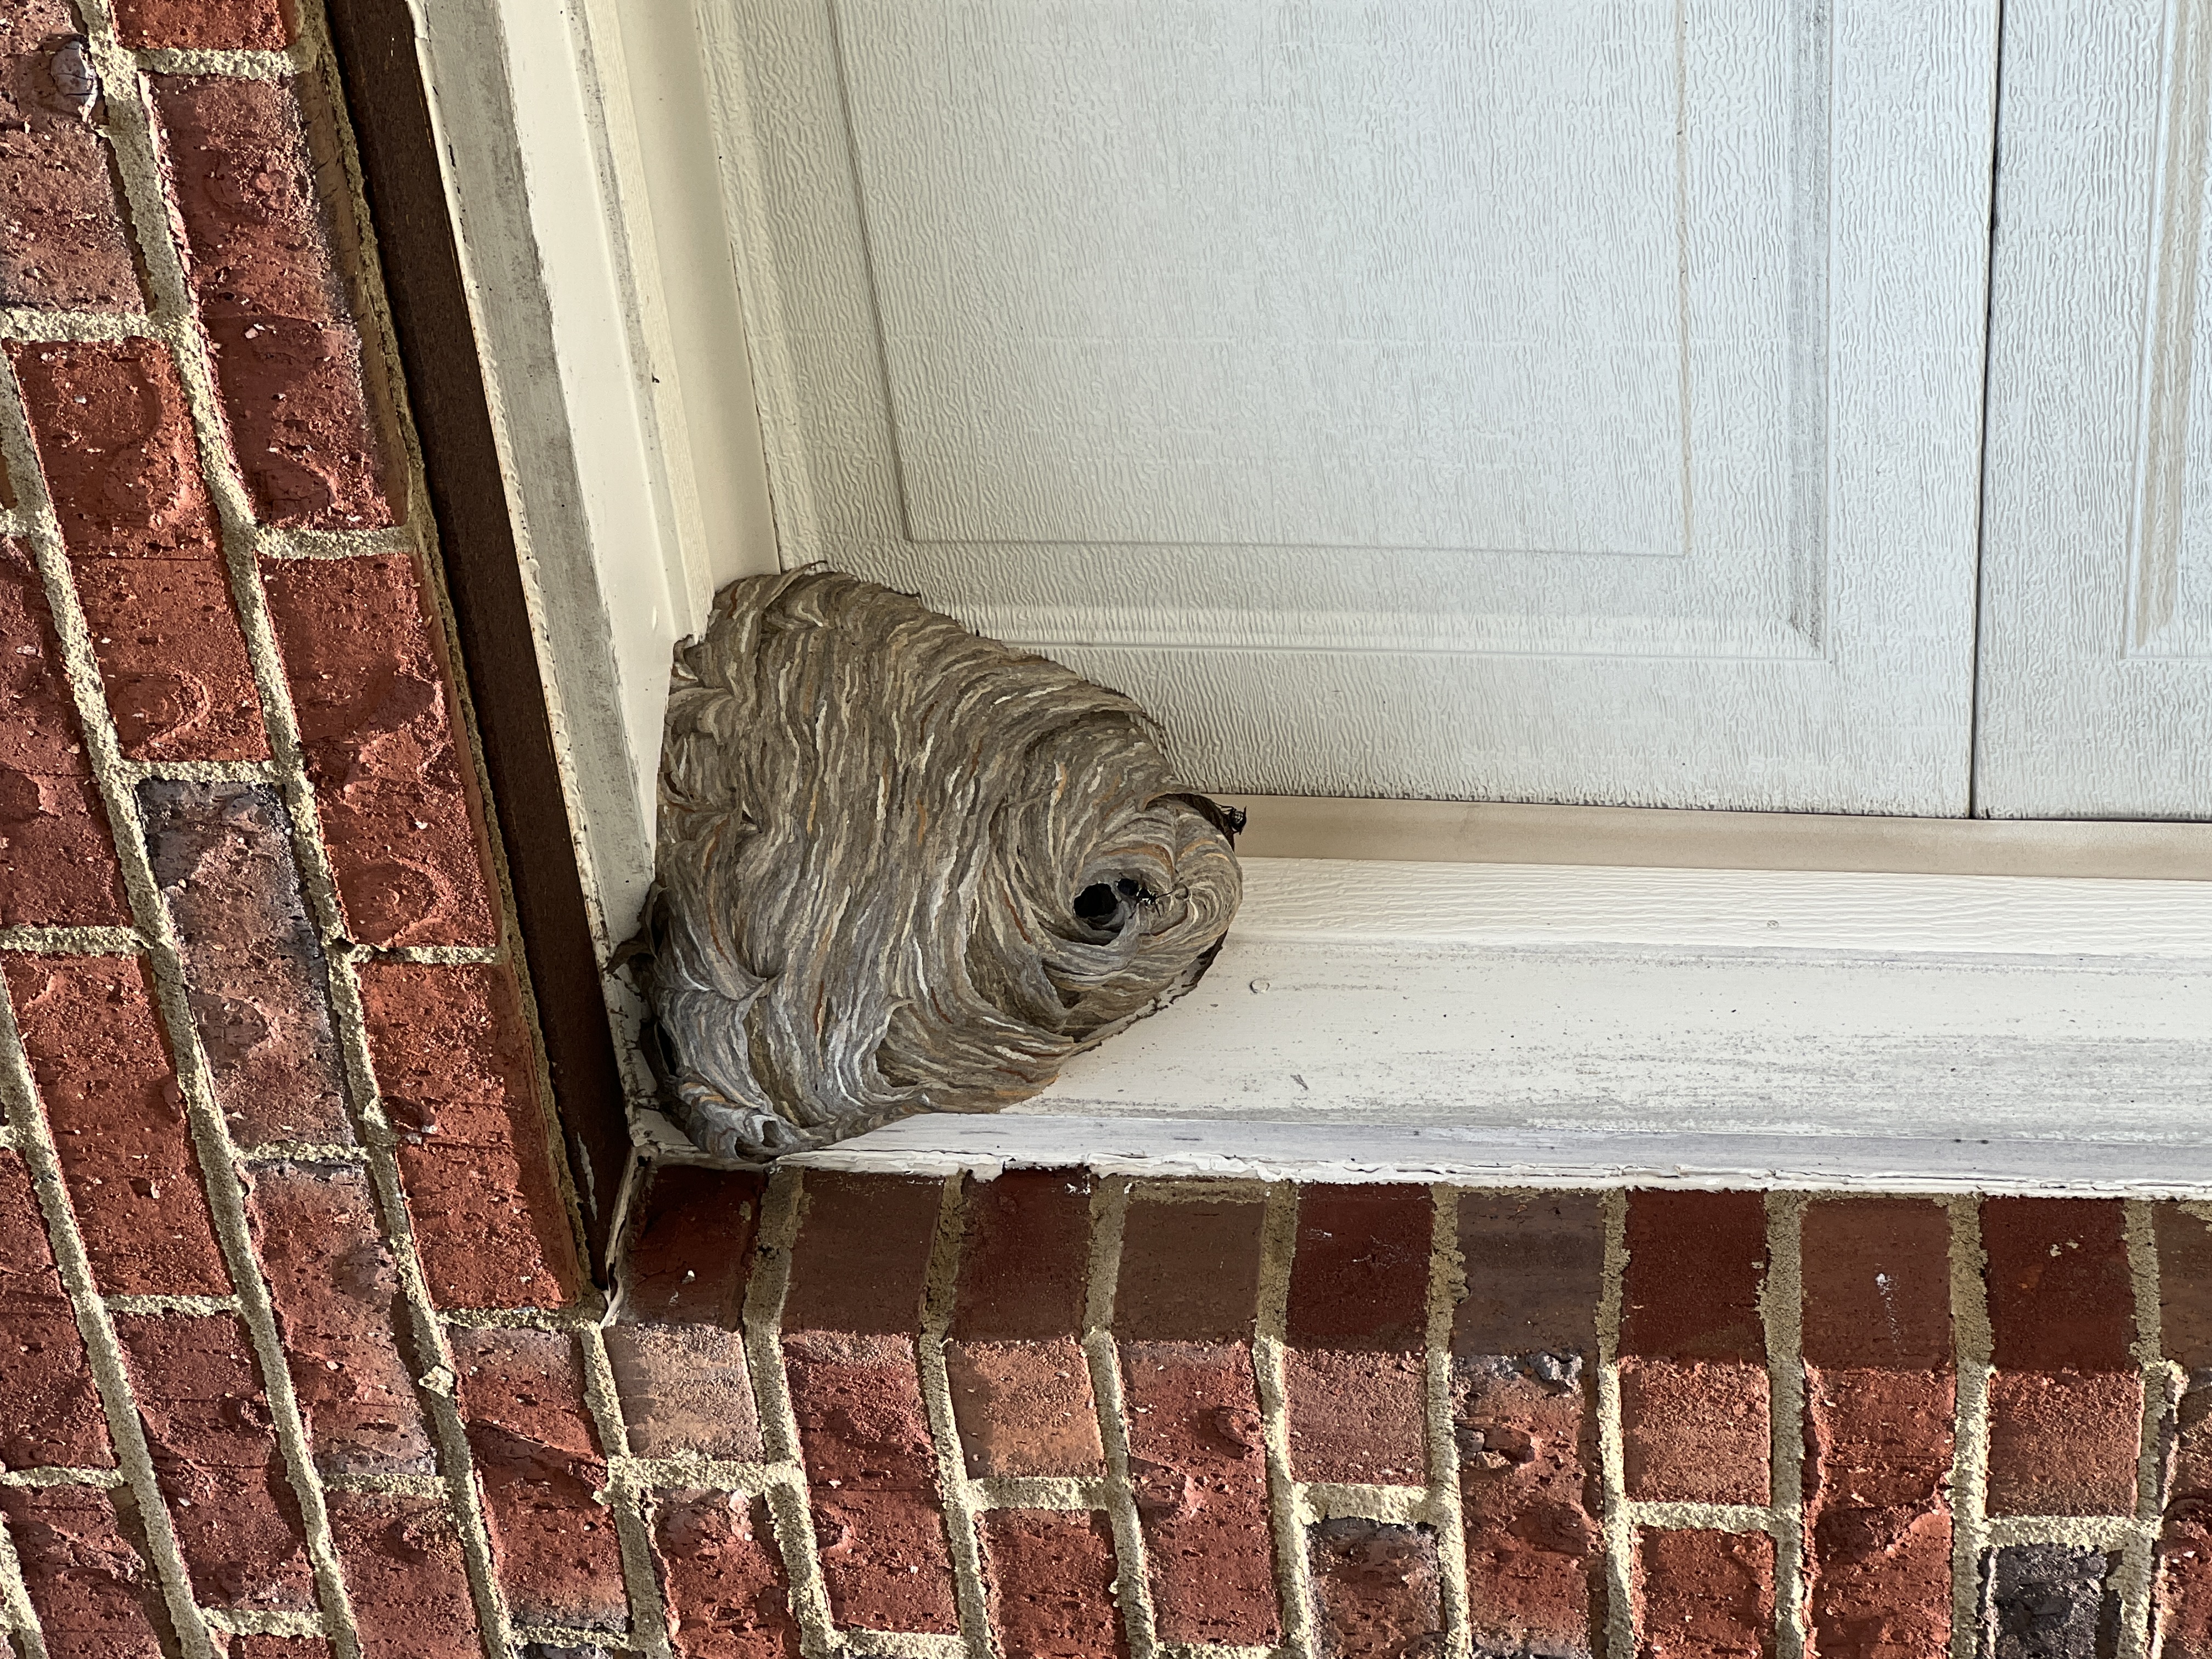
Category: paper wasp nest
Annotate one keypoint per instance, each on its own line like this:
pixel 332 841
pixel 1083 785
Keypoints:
pixel 902 868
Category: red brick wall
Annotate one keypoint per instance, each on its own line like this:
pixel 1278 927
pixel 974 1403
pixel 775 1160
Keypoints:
pixel 297 1355
pixel 1093 1417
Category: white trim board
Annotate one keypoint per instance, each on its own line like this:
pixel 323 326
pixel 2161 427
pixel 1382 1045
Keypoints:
pixel 1576 1026
pixel 607 319
pixel 1159 1149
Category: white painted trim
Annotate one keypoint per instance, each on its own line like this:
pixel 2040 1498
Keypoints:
pixel 473 98
pixel 1258 1150
pixel 683 274
pixel 561 122
pixel 2036 1031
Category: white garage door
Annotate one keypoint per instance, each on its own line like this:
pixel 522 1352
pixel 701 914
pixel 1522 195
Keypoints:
pixel 2097 627
pixel 1514 401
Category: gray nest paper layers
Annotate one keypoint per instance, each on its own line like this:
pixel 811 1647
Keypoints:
pixel 902 868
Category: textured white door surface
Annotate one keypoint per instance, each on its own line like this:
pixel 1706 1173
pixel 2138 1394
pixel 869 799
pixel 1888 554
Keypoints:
pixel 2096 695
pixel 1572 400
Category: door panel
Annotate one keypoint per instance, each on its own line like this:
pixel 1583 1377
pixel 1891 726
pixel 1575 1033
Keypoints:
pixel 1532 401
pixel 2096 656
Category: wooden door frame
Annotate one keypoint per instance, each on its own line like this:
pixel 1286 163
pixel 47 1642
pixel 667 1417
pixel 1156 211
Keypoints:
pixel 388 104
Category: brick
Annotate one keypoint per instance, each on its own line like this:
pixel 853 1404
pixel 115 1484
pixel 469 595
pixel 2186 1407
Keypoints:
pixel 1021 1385
pixel 103 1073
pixel 862 1253
pixel 540 1465
pixel 1534 1268
pixel 2190 1477
pixel 688 1255
pixel 884 1560
pixel 1360 1278
pixel 1881 1402
pixel 57 864
pixel 172 659
pixel 1355 1375
pixel 1526 1446
pixel 215 1459
pixel 403 1562
pixel 2066 1400
pixel 1522 1336
pixel 2189 1474
pixel 488 1231
pixel 1198 1469
pixel 1184 1307
pixel 1704 1595
pixel 234 25
pixel 115 441
pixel 1877 1284
pixel 2060 1294
pixel 340 1316
pixel 2184 1287
pixel 1051 1576
pixel 2182 1604
pixel 54 1415
pixel 288 357
pixel 41 733
pixel 1377 1590
pixel 1696 1264
pixel 2049 1602
pixel 95 1593
pixel 1190 1271
pixel 1885 1586
pixel 1358 1416
pixel 859 1407
pixel 309 447
pixel 222 856
pixel 1024 1407
pixel 685 1391
pixel 377 721
pixel 258 231
pixel 863 1438
pixel 459 1077
pixel 1693 1386
pixel 727 1598
pixel 1025 1259
pixel 122 466
pixel 1877 1472
pixel 2185 1249
pixel 64 245
pixel 2064 1442
pixel 1695 1432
